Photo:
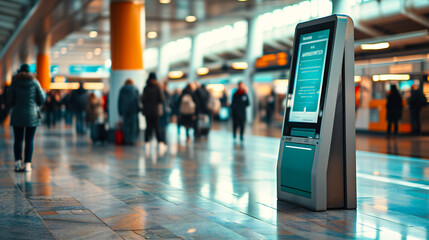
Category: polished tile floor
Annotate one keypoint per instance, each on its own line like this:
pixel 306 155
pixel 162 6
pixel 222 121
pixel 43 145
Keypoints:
pixel 211 189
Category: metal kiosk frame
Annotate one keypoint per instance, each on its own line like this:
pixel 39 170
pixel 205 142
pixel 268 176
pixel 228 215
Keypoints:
pixel 317 161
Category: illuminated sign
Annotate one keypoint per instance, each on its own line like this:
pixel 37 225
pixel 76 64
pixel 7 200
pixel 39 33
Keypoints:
pixel 273 60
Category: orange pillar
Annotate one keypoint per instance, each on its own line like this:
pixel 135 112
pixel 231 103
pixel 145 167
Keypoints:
pixel 43 66
pixel 126 46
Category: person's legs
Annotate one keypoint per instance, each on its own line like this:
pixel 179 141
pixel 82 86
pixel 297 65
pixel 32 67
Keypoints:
pixel 78 122
pixel 417 117
pixel 19 138
pixel 157 129
pixel 133 128
pixel 30 132
pixel 149 128
pixel 242 124
pixel 389 127
pixel 395 125
pixel 234 127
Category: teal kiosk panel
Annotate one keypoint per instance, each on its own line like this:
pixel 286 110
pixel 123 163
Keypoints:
pixel 316 167
pixel 296 168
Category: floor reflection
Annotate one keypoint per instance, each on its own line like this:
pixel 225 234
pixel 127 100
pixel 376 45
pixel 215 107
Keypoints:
pixel 210 189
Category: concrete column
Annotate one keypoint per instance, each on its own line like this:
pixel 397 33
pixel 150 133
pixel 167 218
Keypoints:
pixel 127 44
pixel 196 59
pixel 163 60
pixel 43 64
pixel 254 49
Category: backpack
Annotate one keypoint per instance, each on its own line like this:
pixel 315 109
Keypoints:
pixel 187 105
pixel 213 105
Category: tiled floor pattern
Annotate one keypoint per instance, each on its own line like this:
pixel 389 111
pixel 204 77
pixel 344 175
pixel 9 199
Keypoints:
pixel 211 189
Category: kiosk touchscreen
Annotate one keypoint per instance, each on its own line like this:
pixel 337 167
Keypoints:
pixel 316 165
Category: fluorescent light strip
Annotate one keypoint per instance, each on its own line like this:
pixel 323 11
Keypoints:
pixel 302 148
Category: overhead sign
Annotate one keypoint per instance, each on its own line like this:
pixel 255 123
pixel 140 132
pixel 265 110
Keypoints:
pixel 273 60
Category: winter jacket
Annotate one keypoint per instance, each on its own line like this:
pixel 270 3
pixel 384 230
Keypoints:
pixel 24 97
pixel 152 97
pixel 128 103
pixel 240 101
pixel 78 99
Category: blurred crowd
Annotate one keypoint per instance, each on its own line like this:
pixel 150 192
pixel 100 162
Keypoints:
pixel 192 108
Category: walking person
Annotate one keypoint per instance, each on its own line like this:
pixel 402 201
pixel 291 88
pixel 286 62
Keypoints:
pixel 416 102
pixel 78 99
pixel 187 109
pixel 153 99
pixel 25 96
pixel 128 107
pixel 394 110
pixel 240 101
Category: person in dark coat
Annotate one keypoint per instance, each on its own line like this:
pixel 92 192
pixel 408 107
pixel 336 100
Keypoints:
pixel 416 102
pixel 187 109
pixel 66 101
pixel 128 108
pixel 78 99
pixel 24 97
pixel 202 98
pixel 52 106
pixel 240 101
pixel 167 107
pixel 394 109
pixel 153 99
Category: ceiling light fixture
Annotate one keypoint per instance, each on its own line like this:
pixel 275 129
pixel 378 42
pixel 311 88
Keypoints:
pixel 239 65
pixel 97 51
pixel 63 50
pixel 242 0
pixel 71 46
pixel 93 34
pixel 56 54
pixel 164 1
pixel 152 34
pixel 191 18
pixel 175 74
pixel 80 41
pixel 375 46
pixel 202 71
pixel 391 77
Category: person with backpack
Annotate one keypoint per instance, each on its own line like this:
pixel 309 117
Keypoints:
pixel 240 101
pixel 187 109
pixel 153 99
pixel 128 108
pixel 24 97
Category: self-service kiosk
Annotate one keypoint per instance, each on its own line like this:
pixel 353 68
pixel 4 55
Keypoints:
pixel 317 158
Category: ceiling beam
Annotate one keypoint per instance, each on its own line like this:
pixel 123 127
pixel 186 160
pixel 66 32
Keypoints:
pixel 417 18
pixel 368 30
